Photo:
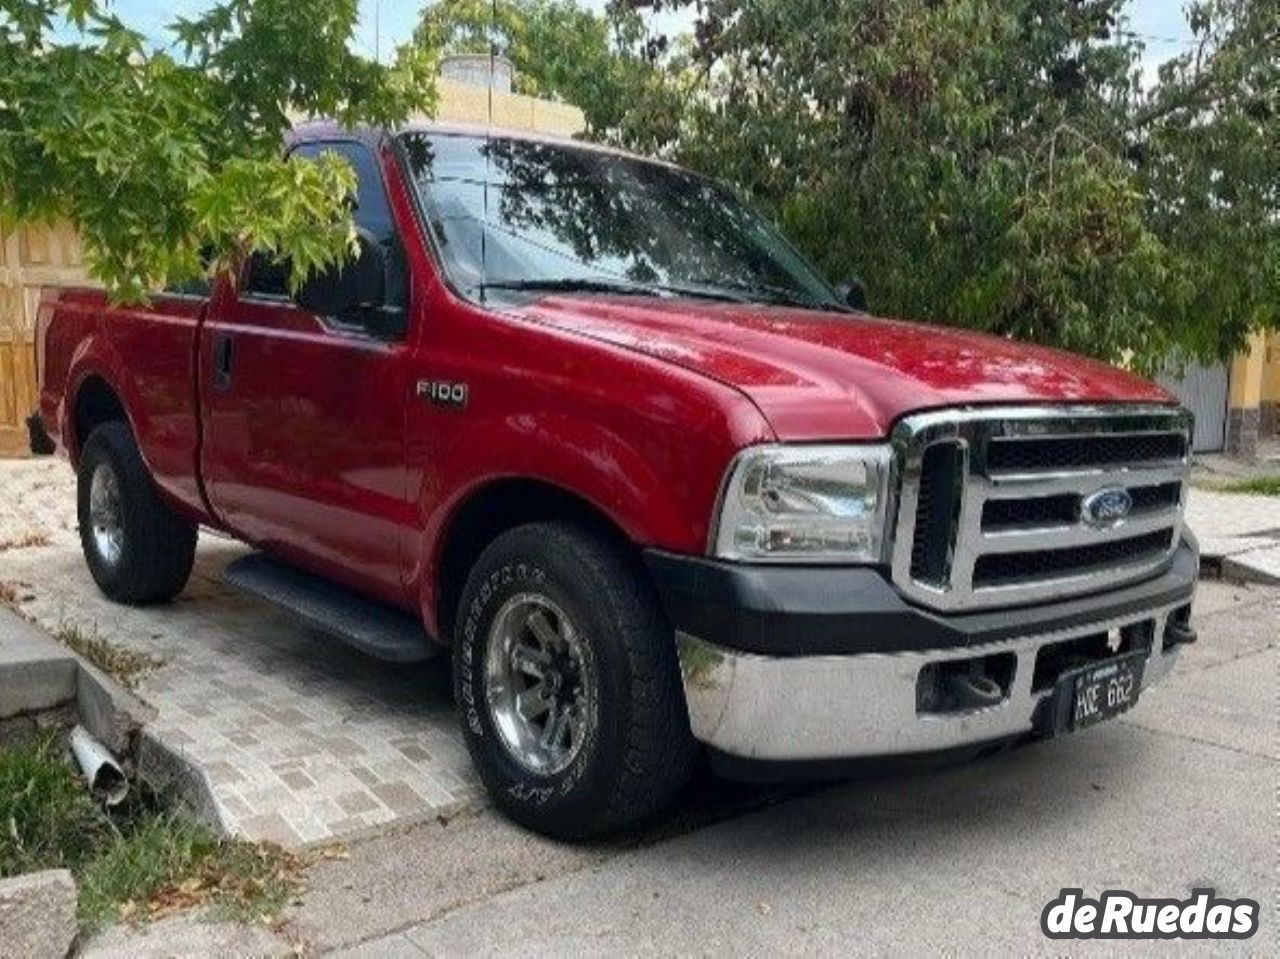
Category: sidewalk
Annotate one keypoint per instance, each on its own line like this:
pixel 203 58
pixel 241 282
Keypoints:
pixel 1212 467
pixel 303 739
pixel 1240 532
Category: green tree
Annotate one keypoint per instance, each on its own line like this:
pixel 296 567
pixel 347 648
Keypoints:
pixel 1208 155
pixel 169 162
pixel 996 163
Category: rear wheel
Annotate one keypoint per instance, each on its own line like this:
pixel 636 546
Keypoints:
pixel 138 550
pixel 567 682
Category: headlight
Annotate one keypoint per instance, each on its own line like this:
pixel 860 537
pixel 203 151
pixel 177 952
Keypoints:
pixel 814 504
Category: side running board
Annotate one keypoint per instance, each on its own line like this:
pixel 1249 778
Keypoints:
pixel 380 631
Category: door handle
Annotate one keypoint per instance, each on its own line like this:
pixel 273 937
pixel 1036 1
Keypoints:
pixel 222 361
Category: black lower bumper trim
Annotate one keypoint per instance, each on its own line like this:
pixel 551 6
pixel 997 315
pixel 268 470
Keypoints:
pixel 813 611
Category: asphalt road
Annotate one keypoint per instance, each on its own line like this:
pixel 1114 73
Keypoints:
pixel 1178 795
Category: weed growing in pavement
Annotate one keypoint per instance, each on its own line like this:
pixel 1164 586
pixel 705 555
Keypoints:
pixel 1252 486
pixel 25 541
pixel 168 863
pixel 1258 486
pixel 124 665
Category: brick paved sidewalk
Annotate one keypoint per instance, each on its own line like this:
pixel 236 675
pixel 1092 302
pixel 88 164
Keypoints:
pixel 304 740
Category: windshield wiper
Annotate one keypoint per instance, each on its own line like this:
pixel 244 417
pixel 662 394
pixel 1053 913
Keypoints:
pixel 763 292
pixel 590 285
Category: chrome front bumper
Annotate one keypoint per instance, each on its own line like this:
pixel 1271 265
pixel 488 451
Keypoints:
pixel 802 708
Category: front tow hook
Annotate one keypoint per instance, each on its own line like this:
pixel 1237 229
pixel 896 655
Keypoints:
pixel 1179 634
pixel 973 691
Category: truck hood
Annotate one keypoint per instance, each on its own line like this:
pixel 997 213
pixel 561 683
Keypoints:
pixel 818 375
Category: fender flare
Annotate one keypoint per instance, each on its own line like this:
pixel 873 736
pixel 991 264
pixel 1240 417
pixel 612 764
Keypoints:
pixel 97 358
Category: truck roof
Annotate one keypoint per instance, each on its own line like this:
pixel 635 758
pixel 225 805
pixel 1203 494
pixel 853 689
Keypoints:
pixel 311 130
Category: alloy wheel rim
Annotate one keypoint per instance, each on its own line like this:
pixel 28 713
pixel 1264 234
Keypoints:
pixel 106 519
pixel 539 688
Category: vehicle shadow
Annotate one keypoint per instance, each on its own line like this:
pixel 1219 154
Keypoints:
pixel 1001 787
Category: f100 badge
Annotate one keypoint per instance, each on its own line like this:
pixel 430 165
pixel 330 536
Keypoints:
pixel 443 394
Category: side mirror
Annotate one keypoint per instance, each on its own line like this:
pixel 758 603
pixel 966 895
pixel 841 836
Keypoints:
pixel 854 294
pixel 356 286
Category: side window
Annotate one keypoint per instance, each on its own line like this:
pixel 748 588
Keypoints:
pixel 267 277
pixel 198 286
pixel 372 212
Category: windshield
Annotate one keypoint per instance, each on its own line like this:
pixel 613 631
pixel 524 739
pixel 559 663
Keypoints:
pixel 559 217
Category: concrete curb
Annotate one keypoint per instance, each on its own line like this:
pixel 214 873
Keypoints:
pixel 38 915
pixel 186 935
pixel 112 715
pixel 1236 568
pixel 39 675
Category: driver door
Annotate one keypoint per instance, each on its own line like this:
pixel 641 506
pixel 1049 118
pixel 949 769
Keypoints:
pixel 304 425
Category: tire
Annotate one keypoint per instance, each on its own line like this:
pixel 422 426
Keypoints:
pixel 630 750
pixel 138 550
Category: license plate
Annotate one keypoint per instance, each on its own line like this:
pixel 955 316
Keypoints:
pixel 1098 693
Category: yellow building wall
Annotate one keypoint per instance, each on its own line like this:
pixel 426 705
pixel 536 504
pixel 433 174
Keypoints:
pixel 465 103
pixel 35 258
pixel 1254 408
pixel 1247 374
pixel 1271 370
pixel 1269 407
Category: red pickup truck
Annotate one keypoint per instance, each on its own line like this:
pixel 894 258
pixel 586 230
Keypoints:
pixel 589 424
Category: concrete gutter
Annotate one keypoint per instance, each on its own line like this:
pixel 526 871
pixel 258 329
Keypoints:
pixel 38 675
pixel 179 780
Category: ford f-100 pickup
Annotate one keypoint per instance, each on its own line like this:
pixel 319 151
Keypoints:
pixel 588 425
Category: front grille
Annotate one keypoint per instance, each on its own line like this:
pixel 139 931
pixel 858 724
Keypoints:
pixel 1038 511
pixel 1064 509
pixel 1147 499
pixel 941 493
pixel 993 503
pixel 1074 452
pixel 995 569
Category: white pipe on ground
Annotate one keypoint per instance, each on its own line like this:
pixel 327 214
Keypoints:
pixel 107 782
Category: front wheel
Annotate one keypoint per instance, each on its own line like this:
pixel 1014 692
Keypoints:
pixel 138 550
pixel 568 684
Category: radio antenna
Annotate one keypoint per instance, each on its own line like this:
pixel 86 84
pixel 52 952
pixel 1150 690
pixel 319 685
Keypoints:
pixel 488 151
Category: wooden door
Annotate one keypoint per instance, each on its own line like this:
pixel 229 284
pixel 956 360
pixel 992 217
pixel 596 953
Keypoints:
pixel 31 258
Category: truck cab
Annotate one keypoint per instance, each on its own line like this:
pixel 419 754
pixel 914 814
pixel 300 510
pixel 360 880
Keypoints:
pixel 589 426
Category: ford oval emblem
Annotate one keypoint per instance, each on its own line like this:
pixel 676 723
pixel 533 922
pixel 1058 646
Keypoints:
pixel 1107 507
